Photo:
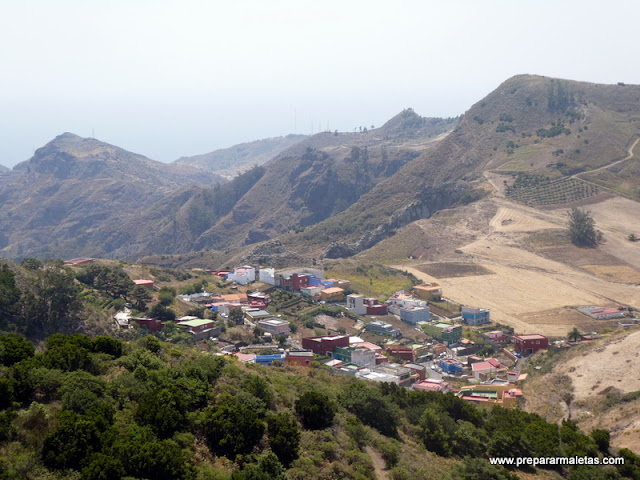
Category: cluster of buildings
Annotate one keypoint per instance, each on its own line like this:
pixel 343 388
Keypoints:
pixel 404 365
pixel 200 328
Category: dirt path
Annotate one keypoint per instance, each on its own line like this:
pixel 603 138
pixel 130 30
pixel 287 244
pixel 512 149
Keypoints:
pixel 378 463
pixel 630 154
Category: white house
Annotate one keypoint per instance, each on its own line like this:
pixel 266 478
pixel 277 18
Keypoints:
pixel 355 304
pixel 267 275
pixel 242 275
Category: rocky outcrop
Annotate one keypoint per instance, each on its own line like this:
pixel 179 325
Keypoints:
pixel 431 199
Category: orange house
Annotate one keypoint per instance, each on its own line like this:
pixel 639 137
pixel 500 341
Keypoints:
pixel 301 359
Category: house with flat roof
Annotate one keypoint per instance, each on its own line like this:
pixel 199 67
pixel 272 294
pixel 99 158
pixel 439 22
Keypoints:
pixel 476 316
pixel 601 313
pixel 325 345
pixel 79 261
pixel 144 283
pixel 529 344
pixel 428 291
pixel 275 326
pixel 355 304
pixel 200 328
pixel 432 385
pixel 255 315
pixel 447 333
pixel 302 358
pixel 506 395
pixel 382 328
pixel 242 275
pixel 334 294
pixel 414 314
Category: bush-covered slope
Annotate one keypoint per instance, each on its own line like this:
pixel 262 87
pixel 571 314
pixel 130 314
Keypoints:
pixel 148 409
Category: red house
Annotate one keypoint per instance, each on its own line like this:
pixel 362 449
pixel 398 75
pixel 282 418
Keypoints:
pixel 528 344
pixel 374 307
pixel 325 345
pixel 153 324
pixel 144 283
pixel 401 351
pixel 79 261
pixel 294 282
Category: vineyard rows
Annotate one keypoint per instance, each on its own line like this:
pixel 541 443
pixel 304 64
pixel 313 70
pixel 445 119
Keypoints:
pixel 552 193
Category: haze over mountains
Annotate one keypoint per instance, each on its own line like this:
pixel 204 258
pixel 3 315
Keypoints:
pixel 331 194
pixel 231 161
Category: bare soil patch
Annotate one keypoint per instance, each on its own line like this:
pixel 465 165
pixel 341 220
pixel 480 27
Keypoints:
pixel 567 318
pixel 615 273
pixel 579 257
pixel 589 372
pixel 511 220
pixel 334 323
pixel 453 269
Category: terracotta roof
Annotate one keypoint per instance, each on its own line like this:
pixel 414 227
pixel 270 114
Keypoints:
pixel 333 290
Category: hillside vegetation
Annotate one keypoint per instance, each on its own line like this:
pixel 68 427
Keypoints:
pixel 98 408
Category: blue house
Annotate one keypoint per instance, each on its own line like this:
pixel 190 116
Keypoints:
pixel 450 365
pixel 269 359
pixel 476 316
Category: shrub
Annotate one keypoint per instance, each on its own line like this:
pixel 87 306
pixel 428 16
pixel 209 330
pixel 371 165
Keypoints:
pixel 316 410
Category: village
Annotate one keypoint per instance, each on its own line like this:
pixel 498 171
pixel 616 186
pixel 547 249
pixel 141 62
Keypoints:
pixel 415 339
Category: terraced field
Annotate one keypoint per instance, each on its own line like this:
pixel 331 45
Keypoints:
pixel 556 192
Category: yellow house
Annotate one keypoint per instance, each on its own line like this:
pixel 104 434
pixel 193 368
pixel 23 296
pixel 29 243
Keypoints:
pixel 428 291
pixel 334 294
pixel 506 395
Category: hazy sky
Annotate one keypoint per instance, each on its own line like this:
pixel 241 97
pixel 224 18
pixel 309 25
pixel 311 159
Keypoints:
pixel 174 78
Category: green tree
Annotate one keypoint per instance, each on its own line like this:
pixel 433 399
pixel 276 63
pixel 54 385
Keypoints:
pixel 108 345
pixel 53 301
pixel 166 295
pixel 469 441
pixel 114 281
pixel 260 467
pixel 370 408
pixel 582 230
pixel 71 442
pixel 102 467
pixel 284 436
pixel 236 316
pixel 231 427
pixel 258 387
pixel 437 429
pixel 31 263
pixel 163 410
pixel 9 292
pixel 479 469
pixel 143 456
pixel 140 296
pixel 316 410
pixel 574 335
pixel 602 439
pixel 14 349
pixel 161 312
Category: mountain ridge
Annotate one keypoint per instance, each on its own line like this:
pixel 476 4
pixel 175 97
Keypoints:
pixel 56 202
pixel 231 161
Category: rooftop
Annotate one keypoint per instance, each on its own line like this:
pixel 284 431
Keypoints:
pixel 333 290
pixel 195 323
pixel 273 321
pixel 532 336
